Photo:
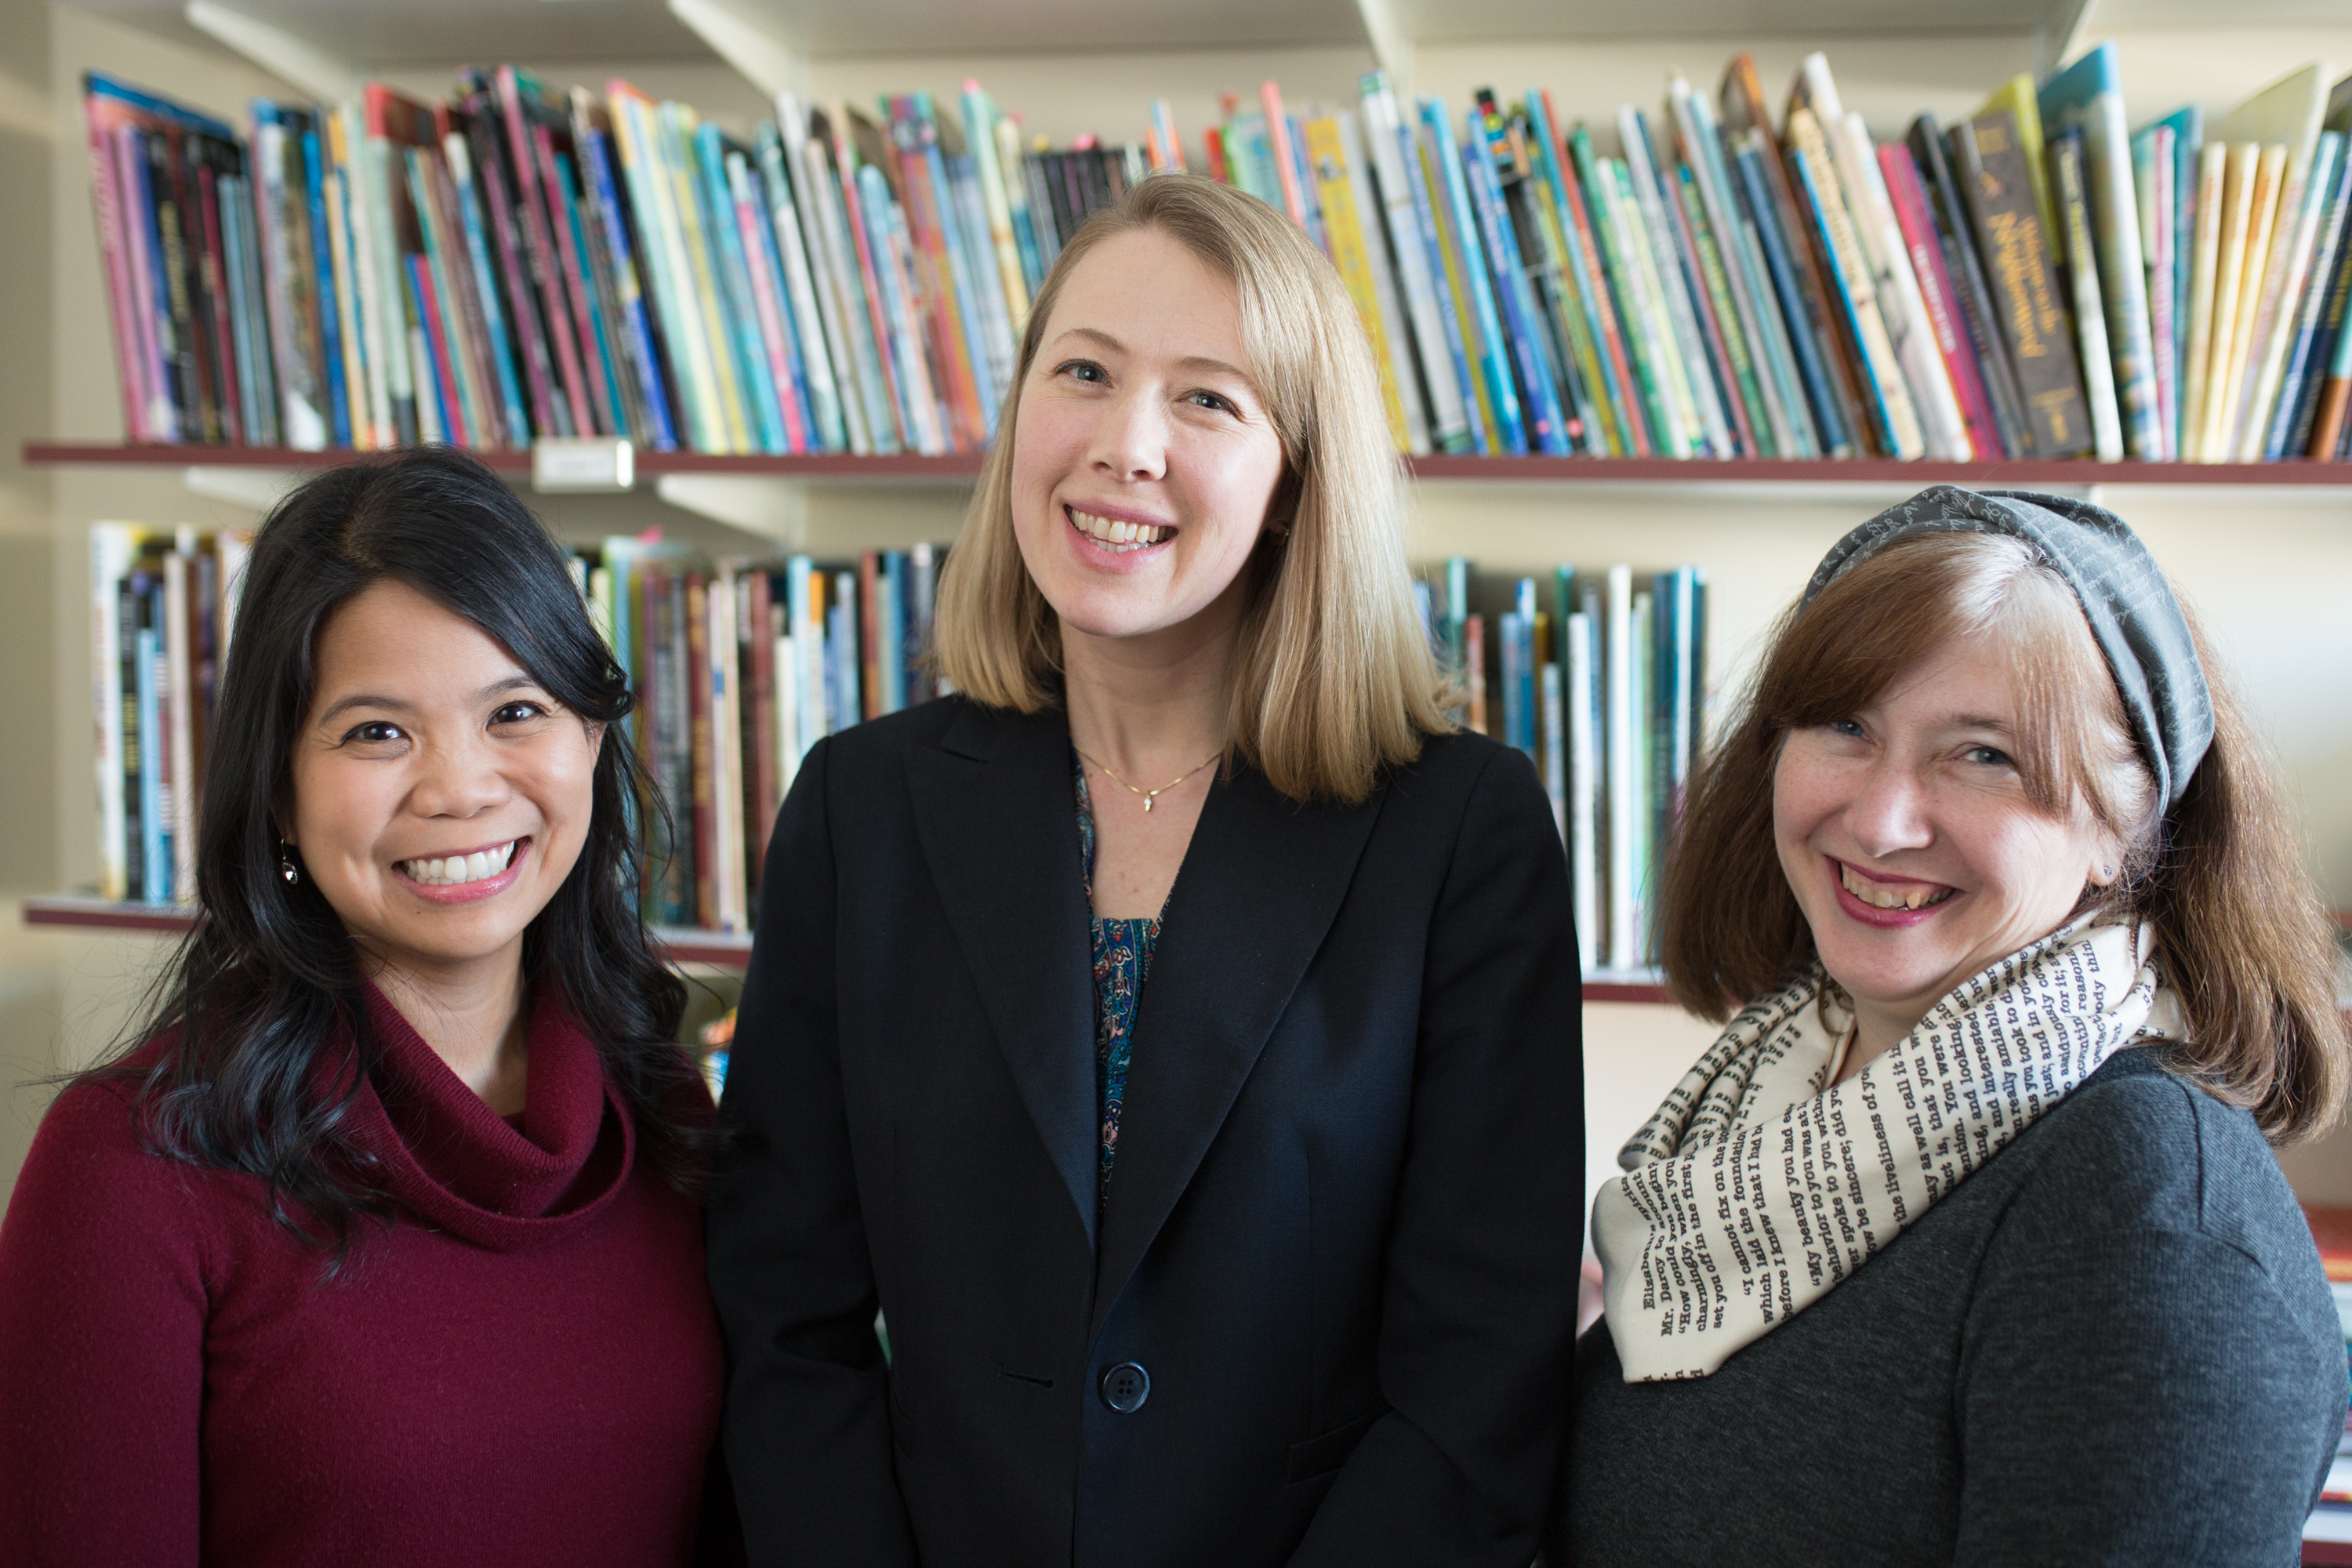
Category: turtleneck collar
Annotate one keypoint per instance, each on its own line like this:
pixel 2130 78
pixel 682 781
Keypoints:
pixel 459 1166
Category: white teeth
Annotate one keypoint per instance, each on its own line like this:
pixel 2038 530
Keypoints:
pixel 1881 898
pixel 1116 536
pixel 456 870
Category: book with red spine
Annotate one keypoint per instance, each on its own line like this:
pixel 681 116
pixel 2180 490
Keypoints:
pixel 1909 200
pixel 517 99
pixel 480 116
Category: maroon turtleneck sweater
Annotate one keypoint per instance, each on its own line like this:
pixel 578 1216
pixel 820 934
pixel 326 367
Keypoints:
pixel 524 1369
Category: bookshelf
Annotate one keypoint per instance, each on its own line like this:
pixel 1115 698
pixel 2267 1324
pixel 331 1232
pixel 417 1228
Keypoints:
pixel 962 468
pixel 2264 549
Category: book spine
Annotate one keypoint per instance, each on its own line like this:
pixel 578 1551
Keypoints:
pixel 854 306
pixel 2007 223
pixel 789 246
pixel 1918 376
pixel 1646 387
pixel 1480 267
pixel 1349 255
pixel 716 255
pixel 540 253
pixel 2240 288
pixel 1668 283
pixel 2298 382
pixel 351 368
pixel 2120 265
pixel 221 300
pixel 1937 292
pixel 1978 308
pixel 2090 315
pixel 1629 434
pixel 496 343
pixel 2331 289
pixel 764 788
pixel 1838 411
pixel 872 302
pixel 1530 342
pixel 1850 279
pixel 114 245
pixel 2204 295
pixel 700 759
pixel 658 427
pixel 1807 392
pixel 892 250
pixel 179 737
pixel 432 311
pixel 769 304
pixel 2276 329
pixel 596 408
pixel 549 410
pixel 447 307
pixel 1450 307
pixel 2158 190
pixel 1449 426
pixel 702 424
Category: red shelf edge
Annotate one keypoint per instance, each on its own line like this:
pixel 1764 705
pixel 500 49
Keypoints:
pixel 965 466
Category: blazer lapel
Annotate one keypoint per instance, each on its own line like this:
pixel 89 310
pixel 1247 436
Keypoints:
pixel 997 815
pixel 1260 887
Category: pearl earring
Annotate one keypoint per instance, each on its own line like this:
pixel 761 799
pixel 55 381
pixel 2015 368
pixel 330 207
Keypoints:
pixel 285 867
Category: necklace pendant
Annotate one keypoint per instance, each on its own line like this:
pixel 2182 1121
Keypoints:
pixel 1147 805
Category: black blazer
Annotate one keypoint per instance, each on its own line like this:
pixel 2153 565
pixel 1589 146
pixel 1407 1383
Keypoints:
pixel 1341 1238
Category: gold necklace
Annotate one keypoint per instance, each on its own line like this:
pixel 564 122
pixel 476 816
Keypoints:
pixel 1150 795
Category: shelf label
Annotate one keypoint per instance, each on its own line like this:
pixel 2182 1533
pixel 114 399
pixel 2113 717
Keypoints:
pixel 582 463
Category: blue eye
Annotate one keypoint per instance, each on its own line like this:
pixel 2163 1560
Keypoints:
pixel 1989 756
pixel 1214 400
pixel 1082 369
pixel 1850 728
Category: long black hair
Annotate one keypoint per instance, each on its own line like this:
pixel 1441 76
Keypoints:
pixel 268 978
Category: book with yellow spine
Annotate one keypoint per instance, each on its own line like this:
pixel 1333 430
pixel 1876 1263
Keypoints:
pixel 1327 159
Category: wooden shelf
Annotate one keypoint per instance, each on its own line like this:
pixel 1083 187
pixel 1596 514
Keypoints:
pixel 716 948
pixel 1661 472
pixel 958 469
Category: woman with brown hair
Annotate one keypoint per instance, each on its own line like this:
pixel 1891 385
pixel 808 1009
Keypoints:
pixel 1175 1034
pixel 1963 1243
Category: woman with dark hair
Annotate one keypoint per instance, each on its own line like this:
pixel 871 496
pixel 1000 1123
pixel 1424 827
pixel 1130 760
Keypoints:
pixel 1963 1244
pixel 379 1246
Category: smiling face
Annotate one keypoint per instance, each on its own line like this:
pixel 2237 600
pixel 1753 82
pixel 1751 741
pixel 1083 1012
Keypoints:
pixel 1908 835
pixel 440 794
pixel 1144 458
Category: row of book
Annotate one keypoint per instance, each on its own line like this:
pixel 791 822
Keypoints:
pixel 1601 679
pixel 162 604
pixel 512 263
pixel 2037 280
pixel 739 667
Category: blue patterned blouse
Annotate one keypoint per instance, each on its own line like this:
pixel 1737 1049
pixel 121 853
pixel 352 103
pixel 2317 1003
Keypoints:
pixel 1122 952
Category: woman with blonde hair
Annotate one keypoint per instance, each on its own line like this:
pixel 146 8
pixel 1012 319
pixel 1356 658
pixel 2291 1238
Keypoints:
pixel 1963 1244
pixel 1174 1035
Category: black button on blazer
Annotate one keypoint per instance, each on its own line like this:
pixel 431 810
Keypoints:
pixel 1341 1238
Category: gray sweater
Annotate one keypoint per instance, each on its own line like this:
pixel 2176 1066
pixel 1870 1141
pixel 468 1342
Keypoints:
pixel 2110 1344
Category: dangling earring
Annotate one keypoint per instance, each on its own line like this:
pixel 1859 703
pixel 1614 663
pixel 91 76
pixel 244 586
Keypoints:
pixel 285 867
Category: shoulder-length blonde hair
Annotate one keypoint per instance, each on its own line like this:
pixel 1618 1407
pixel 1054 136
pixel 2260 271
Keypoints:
pixel 1333 680
pixel 2242 933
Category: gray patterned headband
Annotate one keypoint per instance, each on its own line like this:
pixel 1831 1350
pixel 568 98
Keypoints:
pixel 2133 615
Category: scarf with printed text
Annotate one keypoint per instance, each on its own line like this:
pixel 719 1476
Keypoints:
pixel 1758 1187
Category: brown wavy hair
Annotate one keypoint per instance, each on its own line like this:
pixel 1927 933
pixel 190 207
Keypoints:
pixel 2241 929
